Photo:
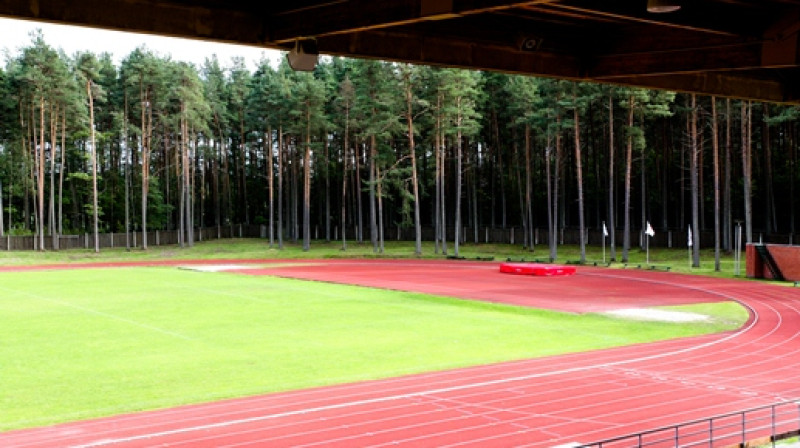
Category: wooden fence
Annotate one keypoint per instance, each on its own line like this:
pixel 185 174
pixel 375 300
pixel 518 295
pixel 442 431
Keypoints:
pixel 509 235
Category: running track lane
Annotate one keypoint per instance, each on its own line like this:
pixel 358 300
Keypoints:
pixel 540 402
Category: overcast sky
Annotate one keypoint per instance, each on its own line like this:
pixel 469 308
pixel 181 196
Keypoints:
pixel 15 34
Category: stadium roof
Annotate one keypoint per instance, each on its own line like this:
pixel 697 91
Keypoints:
pixel 736 48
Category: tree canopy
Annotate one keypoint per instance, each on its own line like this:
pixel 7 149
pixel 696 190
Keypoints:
pixel 391 146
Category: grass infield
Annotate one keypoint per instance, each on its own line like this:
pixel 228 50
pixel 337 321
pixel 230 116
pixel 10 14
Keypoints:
pixel 79 344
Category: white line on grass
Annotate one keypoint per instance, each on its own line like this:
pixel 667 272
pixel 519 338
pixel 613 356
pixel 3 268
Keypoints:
pixel 100 313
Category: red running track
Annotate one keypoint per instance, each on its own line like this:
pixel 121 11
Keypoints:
pixel 541 402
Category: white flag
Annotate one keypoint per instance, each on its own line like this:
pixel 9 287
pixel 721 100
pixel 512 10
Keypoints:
pixel 650 231
pixel 605 230
pixel 689 238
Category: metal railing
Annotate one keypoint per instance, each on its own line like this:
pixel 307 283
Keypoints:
pixel 752 427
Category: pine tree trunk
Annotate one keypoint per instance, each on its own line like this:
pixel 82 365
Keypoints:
pixel 437 221
pixel 558 192
pixel 457 239
pixel 611 198
pixel 345 174
pixel 501 172
pixel 214 167
pixel 442 188
pixel 665 180
pixel 187 185
pixel 579 175
pixel 280 187
pixel 180 166
pixel 551 225
pixel 127 165
pixel 359 201
pixel 193 165
pixel 528 188
pixel 701 189
pixel 413 155
pixel 475 223
pixel 327 191
pixel 307 184
pixel 643 194
pixel 227 195
pixel 373 223
pixel 771 223
pixel 146 129
pixel 271 185
pixel 95 208
pixel 62 167
pixel 715 148
pixel 520 193
pixel 792 169
pixel 242 163
pixel 52 205
pixel 379 197
pixel 295 221
pixel 693 172
pixel 40 179
pixel 727 225
pixel 747 171
pixel 626 231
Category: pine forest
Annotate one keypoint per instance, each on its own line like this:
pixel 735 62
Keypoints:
pixel 360 150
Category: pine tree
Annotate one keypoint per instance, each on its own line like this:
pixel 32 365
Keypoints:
pixel 309 94
pixel 345 103
pixel 262 110
pixel 409 76
pixel 378 111
pixel 194 112
pixel 460 115
pixel 526 108
pixel 640 105
pixel 237 90
pixel 215 94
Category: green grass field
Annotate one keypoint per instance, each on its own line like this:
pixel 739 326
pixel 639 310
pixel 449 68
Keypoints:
pixel 86 343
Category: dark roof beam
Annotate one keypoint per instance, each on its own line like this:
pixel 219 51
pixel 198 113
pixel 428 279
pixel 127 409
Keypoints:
pixel 778 48
pixel 400 46
pixel 729 85
pixel 711 22
pixel 162 18
pixel 365 15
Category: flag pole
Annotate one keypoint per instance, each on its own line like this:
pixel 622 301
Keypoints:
pixel 604 242
pixel 647 234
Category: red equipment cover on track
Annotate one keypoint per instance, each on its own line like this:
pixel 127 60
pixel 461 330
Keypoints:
pixel 537 269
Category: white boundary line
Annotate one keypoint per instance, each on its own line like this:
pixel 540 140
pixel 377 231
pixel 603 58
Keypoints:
pixel 100 313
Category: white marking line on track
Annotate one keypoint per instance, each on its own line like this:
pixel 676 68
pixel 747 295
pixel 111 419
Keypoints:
pixel 101 313
pixel 210 426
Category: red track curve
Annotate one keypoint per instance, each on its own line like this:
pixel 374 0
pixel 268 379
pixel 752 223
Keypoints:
pixel 541 402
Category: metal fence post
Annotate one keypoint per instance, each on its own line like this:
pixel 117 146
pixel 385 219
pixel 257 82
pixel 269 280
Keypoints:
pixel 710 433
pixel 772 436
pixel 744 430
